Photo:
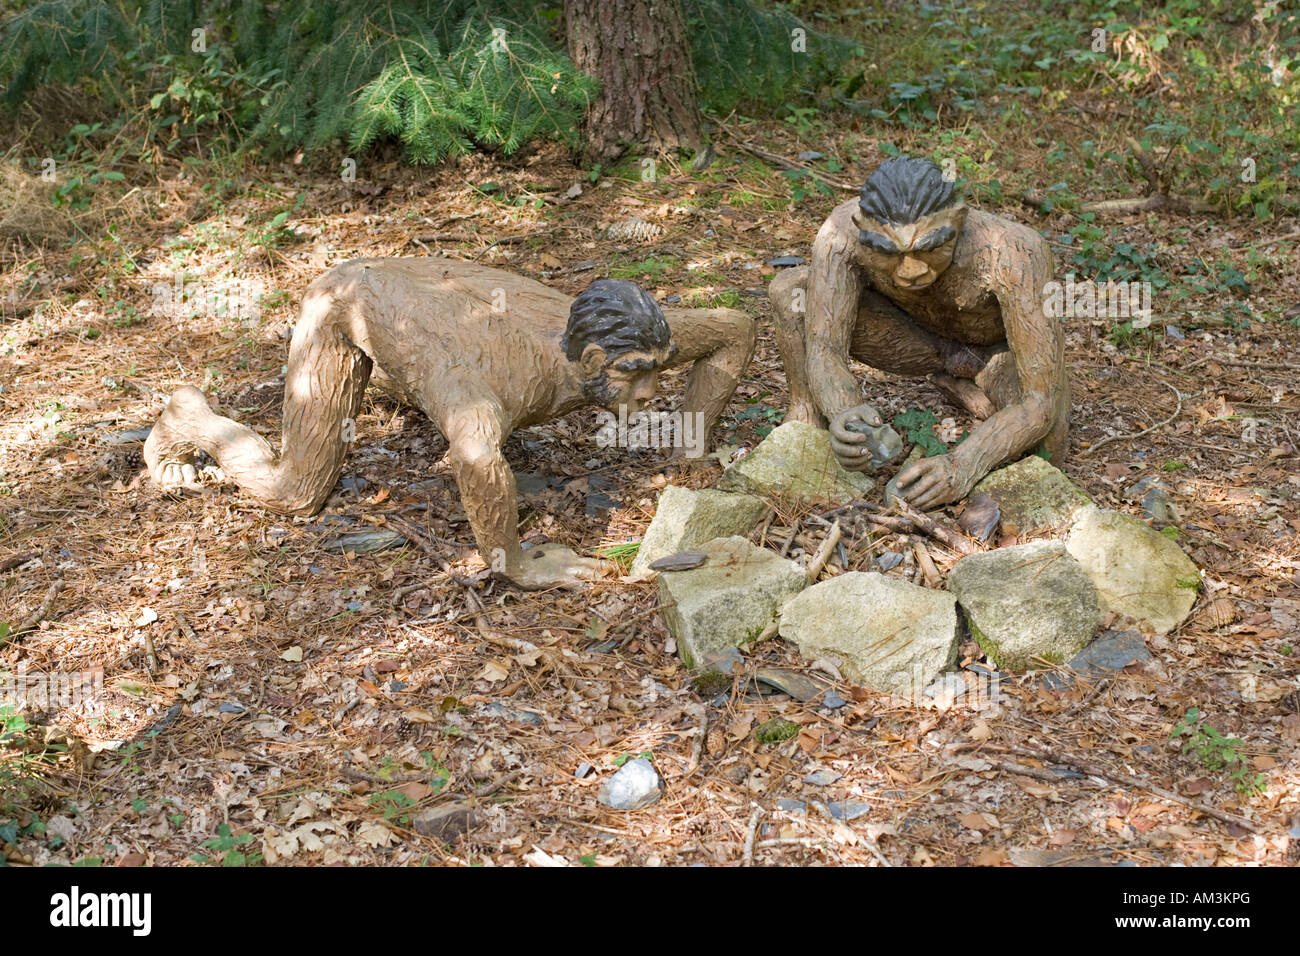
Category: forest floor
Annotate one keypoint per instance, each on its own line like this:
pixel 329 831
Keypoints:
pixel 266 700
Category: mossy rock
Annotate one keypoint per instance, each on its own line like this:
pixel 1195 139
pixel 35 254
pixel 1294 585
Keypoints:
pixel 1139 573
pixel 795 463
pixel 1032 495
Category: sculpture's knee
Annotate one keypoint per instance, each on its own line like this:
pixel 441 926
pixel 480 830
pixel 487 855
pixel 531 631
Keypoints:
pixel 741 332
pixel 788 293
pixel 474 456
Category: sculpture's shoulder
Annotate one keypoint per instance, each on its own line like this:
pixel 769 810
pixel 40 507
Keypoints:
pixel 838 230
pixel 994 239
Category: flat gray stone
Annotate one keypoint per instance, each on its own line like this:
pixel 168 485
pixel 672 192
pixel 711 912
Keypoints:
pixel 364 542
pixel 800 686
pixel 1032 495
pixel 635 785
pixel 882 632
pixel 822 778
pixel 1138 572
pixel 946 691
pixel 795 463
pixel 727 661
pixel 1157 504
pixel 445 822
pixel 685 519
pixel 1109 654
pixel 681 561
pixel 847 810
pixel 1027 602
pixel 729 600
pixel 513 714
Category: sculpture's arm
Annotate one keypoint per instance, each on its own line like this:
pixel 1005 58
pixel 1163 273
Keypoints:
pixel 833 293
pixel 1021 266
pixel 476 426
pixel 1021 269
pixel 719 343
pixel 475 430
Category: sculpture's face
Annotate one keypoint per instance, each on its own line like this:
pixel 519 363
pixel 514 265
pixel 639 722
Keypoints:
pixel 629 380
pixel 910 256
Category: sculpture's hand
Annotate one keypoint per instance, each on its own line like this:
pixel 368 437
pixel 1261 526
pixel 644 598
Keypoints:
pixel 851 447
pixel 932 482
pixel 551 565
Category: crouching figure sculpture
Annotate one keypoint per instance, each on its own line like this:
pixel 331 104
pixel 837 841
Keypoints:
pixel 481 352
pixel 908 280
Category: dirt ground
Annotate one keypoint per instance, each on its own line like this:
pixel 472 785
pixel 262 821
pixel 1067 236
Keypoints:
pixel 266 700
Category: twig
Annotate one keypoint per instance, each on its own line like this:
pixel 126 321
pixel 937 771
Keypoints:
pixel 37 616
pixel 824 552
pixel 638 617
pixel 794 530
pixel 14 560
pixel 422 542
pixel 927 525
pixel 1126 780
pixel 782 161
pixel 1037 773
pixel 1146 431
pixel 490 788
pixel 1156 199
pixel 506 239
pixel 697 751
pixel 380 781
pixel 751 832
pixel 185 628
pixel 1270 366
pixel 150 655
pixel 791 841
pixel 926 563
pixel 1089 698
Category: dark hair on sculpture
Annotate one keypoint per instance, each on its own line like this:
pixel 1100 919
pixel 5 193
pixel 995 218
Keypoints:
pixel 619 316
pixel 904 189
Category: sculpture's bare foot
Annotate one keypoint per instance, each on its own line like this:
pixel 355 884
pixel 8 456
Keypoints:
pixel 551 565
pixel 169 452
pixel 171 474
pixel 805 412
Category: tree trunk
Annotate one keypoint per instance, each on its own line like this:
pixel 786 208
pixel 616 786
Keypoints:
pixel 639 52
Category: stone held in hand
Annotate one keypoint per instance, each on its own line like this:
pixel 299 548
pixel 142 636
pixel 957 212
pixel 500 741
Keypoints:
pixel 884 443
pixel 1027 603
